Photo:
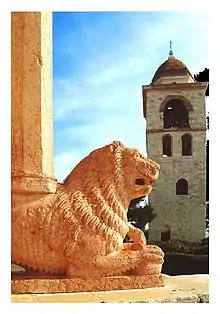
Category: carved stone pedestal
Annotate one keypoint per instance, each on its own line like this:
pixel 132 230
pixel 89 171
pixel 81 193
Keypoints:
pixel 21 285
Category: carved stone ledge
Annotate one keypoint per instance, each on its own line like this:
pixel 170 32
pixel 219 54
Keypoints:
pixel 33 183
pixel 57 285
pixel 162 130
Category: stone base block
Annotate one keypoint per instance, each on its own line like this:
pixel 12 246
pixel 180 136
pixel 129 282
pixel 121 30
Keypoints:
pixel 177 289
pixel 33 183
pixel 21 285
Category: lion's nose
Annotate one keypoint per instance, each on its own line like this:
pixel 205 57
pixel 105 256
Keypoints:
pixel 154 175
pixel 155 170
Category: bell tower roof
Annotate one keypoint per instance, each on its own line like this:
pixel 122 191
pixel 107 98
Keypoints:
pixel 172 67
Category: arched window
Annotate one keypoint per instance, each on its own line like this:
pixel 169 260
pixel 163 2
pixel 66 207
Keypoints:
pixel 176 114
pixel 187 145
pixel 182 187
pixel 167 145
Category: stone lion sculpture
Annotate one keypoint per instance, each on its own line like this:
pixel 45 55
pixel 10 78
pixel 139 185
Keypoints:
pixel 80 229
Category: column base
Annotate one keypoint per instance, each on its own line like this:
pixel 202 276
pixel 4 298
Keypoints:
pixel 33 183
pixel 29 187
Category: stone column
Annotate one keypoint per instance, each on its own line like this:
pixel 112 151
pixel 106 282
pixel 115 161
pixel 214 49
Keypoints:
pixel 32 121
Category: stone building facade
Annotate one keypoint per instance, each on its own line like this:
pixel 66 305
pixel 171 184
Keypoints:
pixel 174 109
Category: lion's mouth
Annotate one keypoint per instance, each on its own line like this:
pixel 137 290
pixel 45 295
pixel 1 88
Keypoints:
pixel 141 182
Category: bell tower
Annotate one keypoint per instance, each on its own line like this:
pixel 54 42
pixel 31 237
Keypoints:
pixel 174 109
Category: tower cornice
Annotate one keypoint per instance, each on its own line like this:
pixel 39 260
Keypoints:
pixel 170 130
pixel 176 86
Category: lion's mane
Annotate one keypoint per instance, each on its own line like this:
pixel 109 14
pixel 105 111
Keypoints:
pixel 96 192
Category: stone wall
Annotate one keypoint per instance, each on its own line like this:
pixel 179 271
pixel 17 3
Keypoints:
pixel 155 98
pixel 184 215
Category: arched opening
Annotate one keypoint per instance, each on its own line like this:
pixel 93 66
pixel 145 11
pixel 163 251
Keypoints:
pixel 182 187
pixel 165 234
pixel 167 145
pixel 176 114
pixel 187 145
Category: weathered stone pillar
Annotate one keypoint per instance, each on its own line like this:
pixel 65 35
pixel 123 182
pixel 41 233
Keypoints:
pixel 32 121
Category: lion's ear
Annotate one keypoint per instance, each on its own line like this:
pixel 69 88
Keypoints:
pixel 115 145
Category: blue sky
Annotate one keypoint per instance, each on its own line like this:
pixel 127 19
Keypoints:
pixel 100 62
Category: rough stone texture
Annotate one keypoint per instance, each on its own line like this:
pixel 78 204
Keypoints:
pixel 80 229
pixel 177 289
pixel 58 285
pixel 32 123
pixel 183 215
pixel 195 95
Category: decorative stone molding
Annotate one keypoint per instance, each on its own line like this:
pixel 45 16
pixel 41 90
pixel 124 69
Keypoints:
pixel 178 86
pixel 187 130
pixel 33 183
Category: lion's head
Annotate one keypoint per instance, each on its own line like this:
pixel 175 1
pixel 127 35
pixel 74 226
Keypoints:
pixel 114 165
pixel 139 172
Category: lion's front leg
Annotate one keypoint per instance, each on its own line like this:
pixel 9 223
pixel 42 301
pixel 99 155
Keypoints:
pixel 136 234
pixel 131 258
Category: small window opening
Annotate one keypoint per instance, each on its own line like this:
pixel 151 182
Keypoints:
pixel 167 145
pixel 187 145
pixel 182 187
